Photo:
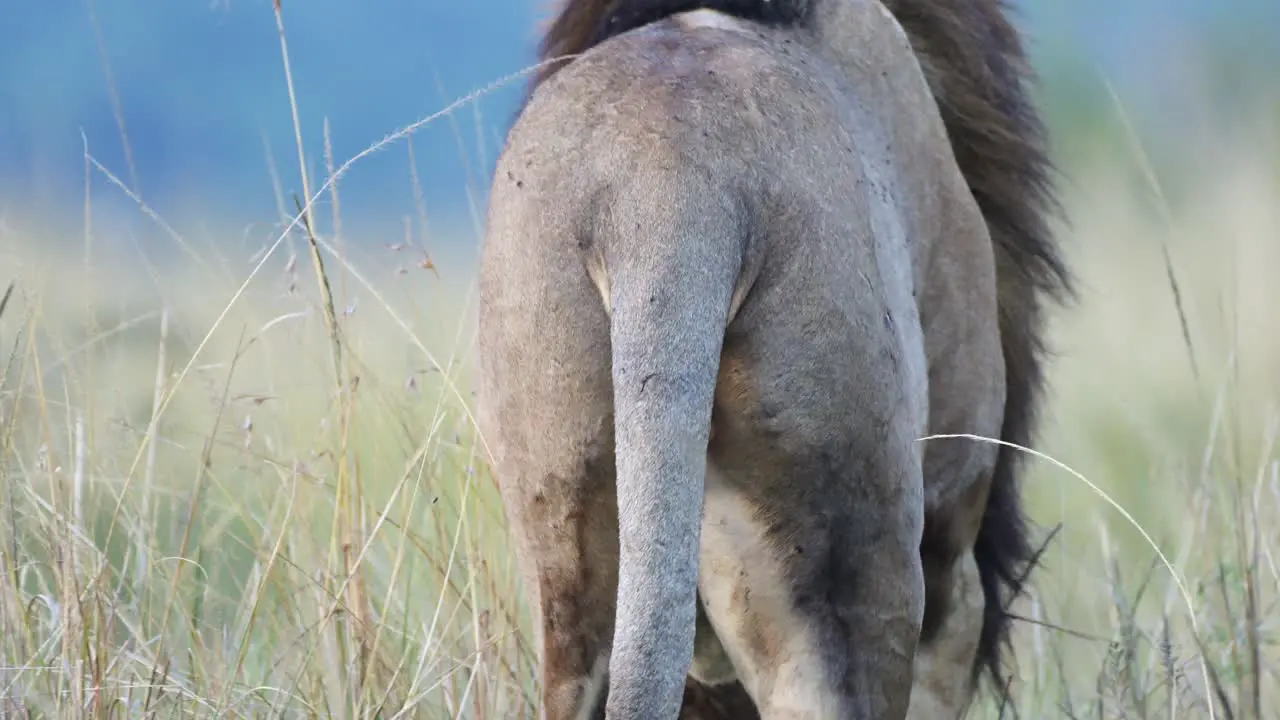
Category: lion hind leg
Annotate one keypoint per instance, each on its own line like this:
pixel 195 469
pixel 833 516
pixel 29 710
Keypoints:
pixel 944 687
pixel 955 602
pixel 555 469
pixel 568 555
pixel 816 625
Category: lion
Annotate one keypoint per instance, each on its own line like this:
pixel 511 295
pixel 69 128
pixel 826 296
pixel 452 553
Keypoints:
pixel 740 256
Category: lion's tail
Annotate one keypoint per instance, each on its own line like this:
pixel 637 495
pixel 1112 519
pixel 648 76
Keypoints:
pixel 673 247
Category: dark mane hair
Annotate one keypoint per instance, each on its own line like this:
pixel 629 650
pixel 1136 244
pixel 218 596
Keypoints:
pixel 583 24
pixel 977 68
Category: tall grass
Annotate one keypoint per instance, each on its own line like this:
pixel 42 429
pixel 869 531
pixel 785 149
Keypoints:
pixel 231 489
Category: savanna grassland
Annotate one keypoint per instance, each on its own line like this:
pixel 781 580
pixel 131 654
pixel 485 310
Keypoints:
pixel 241 479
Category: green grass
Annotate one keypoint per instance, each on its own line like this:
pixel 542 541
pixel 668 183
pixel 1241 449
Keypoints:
pixel 251 487
pixel 287 545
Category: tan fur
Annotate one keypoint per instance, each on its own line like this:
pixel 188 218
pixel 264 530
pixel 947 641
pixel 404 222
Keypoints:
pixel 764 226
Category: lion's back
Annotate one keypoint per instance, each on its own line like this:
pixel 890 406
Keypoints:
pixel 728 95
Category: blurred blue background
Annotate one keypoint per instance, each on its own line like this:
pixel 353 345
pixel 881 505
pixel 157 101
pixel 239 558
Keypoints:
pixel 202 92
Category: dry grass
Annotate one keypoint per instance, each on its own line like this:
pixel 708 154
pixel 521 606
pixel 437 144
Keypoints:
pixel 231 489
